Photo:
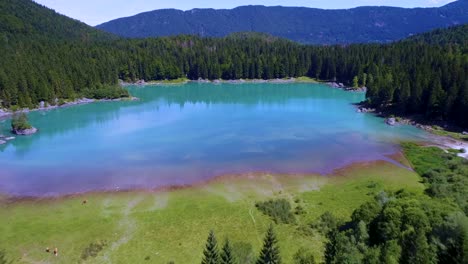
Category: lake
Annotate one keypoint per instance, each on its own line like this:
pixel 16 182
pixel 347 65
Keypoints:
pixel 183 134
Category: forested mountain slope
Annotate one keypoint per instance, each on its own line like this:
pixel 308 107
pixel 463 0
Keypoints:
pixel 305 25
pixel 458 35
pixel 23 17
pixel 45 55
pixel 409 77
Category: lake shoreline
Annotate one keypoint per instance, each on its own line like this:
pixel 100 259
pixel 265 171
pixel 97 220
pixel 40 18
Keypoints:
pixel 224 178
pixel 4 113
pixel 442 137
pixel 221 81
pixel 53 191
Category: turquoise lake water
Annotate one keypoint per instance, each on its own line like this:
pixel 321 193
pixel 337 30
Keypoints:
pixel 181 134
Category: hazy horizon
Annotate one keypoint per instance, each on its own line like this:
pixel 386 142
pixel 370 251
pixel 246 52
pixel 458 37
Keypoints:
pixel 95 13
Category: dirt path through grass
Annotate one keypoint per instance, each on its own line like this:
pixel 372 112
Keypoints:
pixel 255 224
pixel 127 224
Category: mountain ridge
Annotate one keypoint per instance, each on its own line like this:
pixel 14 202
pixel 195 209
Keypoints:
pixel 302 24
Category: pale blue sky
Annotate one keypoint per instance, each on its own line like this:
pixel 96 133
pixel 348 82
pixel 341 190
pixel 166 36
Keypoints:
pixel 95 12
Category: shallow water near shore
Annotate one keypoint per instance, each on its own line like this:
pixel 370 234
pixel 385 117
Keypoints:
pixel 183 134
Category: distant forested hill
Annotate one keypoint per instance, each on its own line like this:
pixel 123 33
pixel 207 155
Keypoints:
pixel 304 25
pixel 458 34
pixel 46 56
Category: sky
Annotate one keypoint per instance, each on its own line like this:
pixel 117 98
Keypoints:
pixel 94 12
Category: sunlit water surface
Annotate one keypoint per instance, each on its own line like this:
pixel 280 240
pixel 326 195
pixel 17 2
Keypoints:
pixel 178 135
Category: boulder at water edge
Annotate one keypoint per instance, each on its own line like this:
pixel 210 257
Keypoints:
pixel 25 132
pixel 391 121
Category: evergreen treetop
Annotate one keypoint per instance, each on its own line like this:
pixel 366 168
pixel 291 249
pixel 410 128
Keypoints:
pixel 227 256
pixel 270 252
pixel 211 254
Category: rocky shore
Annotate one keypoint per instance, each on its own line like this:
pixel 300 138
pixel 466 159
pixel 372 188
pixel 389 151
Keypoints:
pixel 362 109
pixel 240 81
pixel 5 139
pixel 220 81
pixel 393 121
pixel 45 107
pixel 145 83
pixel 346 88
pixel 444 142
pixel 449 144
pixel 25 132
pixel 4 112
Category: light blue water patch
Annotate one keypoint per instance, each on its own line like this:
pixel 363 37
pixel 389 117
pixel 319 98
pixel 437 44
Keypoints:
pixel 178 135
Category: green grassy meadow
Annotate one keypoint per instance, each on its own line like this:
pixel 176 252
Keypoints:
pixel 164 226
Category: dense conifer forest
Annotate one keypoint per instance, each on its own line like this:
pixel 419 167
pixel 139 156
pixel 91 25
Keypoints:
pixel 47 56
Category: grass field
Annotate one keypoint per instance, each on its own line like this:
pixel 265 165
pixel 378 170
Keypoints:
pixel 306 79
pixel 174 81
pixel 442 132
pixel 158 227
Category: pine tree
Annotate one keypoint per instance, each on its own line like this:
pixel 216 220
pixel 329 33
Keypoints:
pixel 355 82
pixel 331 248
pixel 270 252
pixel 210 254
pixel 226 254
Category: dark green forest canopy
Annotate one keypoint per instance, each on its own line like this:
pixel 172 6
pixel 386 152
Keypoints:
pixel 457 34
pixel 47 56
pixel 404 227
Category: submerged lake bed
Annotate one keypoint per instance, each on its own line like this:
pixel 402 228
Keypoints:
pixel 178 135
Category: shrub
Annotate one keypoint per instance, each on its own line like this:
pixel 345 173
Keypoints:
pixel 444 174
pixel 61 102
pixel 93 249
pixel 106 92
pixel 299 210
pixel 20 122
pixel 279 210
pixel 326 222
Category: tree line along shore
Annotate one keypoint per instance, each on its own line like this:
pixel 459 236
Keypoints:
pixel 413 76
